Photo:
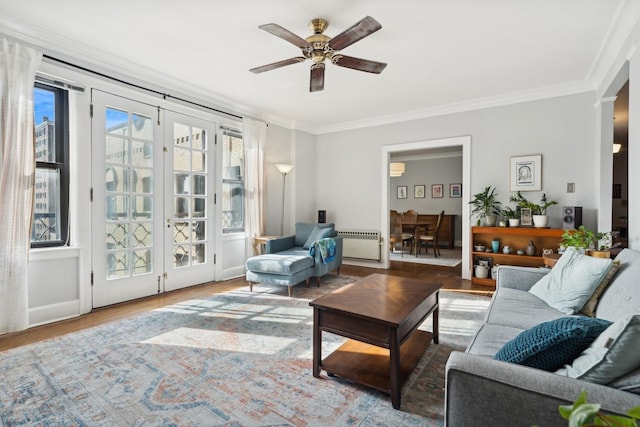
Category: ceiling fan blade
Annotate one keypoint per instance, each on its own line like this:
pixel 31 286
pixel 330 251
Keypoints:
pixel 278 64
pixel 358 31
pixel 317 77
pixel 285 34
pixel 358 64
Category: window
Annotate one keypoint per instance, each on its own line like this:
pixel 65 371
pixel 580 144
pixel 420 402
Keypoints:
pixel 50 218
pixel 232 181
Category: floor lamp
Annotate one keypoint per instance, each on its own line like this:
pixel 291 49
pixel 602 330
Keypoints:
pixel 284 170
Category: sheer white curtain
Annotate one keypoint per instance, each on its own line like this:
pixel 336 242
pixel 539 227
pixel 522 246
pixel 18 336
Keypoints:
pixel 18 65
pixel 255 137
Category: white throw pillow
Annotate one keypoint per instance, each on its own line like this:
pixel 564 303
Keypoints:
pixel 613 354
pixel 571 281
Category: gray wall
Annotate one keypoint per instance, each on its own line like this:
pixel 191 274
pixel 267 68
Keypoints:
pixel 561 129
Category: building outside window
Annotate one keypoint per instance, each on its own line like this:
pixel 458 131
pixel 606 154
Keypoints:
pixel 51 208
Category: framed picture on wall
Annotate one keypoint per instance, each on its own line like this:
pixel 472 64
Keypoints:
pixel 436 191
pixel 402 192
pixel 418 191
pixel 455 190
pixel 526 173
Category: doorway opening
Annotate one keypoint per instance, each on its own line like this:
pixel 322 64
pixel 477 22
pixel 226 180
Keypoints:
pixel 620 191
pixel 389 151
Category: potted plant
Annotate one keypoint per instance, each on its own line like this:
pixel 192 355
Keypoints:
pixel 587 241
pixel 538 210
pixel 512 215
pixel 486 206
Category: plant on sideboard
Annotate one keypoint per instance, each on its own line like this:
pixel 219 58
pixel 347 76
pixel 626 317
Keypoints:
pixel 486 206
pixel 512 215
pixel 538 210
pixel 586 240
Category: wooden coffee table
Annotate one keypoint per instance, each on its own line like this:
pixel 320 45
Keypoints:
pixel 380 314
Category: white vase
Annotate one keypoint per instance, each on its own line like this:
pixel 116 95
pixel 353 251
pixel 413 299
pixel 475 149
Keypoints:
pixel 540 220
pixel 514 222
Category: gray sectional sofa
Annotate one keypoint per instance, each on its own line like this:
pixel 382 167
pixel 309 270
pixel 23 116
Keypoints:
pixel 482 391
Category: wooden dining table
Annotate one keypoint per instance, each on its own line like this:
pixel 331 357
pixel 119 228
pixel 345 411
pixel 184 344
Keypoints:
pixel 416 228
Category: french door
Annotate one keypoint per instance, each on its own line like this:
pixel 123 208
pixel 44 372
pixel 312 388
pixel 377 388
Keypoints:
pixel 189 183
pixel 152 223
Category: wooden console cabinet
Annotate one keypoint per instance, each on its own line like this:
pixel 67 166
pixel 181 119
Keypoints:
pixel 516 238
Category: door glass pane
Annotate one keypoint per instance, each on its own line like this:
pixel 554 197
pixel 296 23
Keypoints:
pixel 142 154
pixel 190 195
pixel 117 236
pixel 128 185
pixel 142 261
pixel 142 127
pixel 117 122
pixel 117 149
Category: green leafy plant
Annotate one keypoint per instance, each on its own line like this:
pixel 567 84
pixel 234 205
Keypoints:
pixel 485 203
pixel 584 414
pixel 536 208
pixel 510 213
pixel 585 238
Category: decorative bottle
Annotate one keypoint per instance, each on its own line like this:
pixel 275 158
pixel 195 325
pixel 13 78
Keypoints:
pixel 531 248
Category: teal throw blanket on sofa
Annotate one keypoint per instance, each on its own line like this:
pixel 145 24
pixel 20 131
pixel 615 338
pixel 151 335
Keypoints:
pixel 327 248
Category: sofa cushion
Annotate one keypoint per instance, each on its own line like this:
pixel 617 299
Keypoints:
pixel 550 345
pixel 519 309
pixel 303 229
pixel 613 354
pixel 279 263
pixel 316 234
pixel 622 298
pixel 629 382
pixel 571 281
pixel 490 338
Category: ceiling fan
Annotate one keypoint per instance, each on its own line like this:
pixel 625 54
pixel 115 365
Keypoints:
pixel 319 47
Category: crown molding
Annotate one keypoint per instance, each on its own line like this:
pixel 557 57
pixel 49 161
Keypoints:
pixel 552 91
pixel 617 46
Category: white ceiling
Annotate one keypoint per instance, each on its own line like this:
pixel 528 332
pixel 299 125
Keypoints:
pixel 441 54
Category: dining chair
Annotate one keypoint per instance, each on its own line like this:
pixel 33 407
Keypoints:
pixel 396 235
pixel 431 237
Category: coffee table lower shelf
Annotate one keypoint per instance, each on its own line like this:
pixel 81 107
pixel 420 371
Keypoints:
pixel 369 365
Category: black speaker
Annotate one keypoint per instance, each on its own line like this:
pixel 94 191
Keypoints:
pixel 571 216
pixel 322 217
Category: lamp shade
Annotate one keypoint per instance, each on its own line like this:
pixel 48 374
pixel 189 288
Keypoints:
pixel 396 169
pixel 284 168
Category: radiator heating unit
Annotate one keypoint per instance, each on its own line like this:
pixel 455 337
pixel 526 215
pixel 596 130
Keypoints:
pixel 361 244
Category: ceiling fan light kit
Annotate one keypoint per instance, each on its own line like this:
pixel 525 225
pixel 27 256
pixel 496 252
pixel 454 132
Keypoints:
pixel 319 47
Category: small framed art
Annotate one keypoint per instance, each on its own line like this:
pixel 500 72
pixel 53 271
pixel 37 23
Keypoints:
pixel 418 191
pixel 525 217
pixel 526 173
pixel 455 190
pixel 402 192
pixel 436 191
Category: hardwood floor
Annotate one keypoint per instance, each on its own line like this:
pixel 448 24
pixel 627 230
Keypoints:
pixel 450 278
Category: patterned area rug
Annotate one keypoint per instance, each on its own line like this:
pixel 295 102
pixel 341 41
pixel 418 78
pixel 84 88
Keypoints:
pixel 233 359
